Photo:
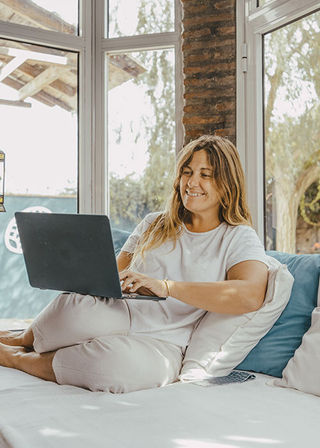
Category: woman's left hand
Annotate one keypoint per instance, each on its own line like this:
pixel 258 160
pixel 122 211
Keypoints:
pixel 133 282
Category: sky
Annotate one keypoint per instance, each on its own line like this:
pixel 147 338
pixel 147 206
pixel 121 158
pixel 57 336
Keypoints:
pixel 40 146
pixel 66 9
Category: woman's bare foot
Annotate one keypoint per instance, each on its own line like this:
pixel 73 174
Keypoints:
pixel 22 358
pixel 10 337
pixel 17 338
pixel 7 354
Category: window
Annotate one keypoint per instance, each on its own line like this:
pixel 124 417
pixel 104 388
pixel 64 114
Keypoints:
pixel 89 129
pixel 292 158
pixel 38 113
pixel 39 104
pixel 141 114
pixel 281 124
pixel 141 131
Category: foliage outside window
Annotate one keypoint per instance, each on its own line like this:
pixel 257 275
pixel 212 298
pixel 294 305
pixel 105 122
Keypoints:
pixel 292 151
pixel 142 141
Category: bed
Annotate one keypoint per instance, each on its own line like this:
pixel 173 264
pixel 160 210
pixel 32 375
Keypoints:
pixel 39 414
pixel 252 414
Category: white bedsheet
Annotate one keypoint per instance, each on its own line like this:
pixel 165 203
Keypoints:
pixel 40 414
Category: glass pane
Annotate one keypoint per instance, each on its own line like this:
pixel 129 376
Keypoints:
pixel 141 133
pixel 54 15
pixel 263 2
pixel 127 18
pixel 292 156
pixel 39 127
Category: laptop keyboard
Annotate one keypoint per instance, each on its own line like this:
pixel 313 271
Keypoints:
pixel 134 296
pixel 131 295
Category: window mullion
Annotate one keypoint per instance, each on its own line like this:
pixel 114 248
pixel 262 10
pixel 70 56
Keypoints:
pixel 99 155
pixel 42 37
pixel 86 113
pixel 141 42
pixel 280 12
pixel 179 100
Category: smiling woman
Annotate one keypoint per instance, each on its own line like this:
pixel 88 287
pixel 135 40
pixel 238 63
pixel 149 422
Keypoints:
pixel 199 193
pixel 200 253
pixel 210 166
pixel 217 158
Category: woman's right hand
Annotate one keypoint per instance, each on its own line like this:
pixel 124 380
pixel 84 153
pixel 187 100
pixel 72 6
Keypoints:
pixel 134 282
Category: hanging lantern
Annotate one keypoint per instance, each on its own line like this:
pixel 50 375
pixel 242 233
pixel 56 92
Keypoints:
pixel 2 162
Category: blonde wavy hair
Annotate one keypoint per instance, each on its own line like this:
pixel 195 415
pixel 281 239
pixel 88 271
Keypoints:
pixel 229 181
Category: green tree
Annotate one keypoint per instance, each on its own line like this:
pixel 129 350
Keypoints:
pixel 292 74
pixel 149 192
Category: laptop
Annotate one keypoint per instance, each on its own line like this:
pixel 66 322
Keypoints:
pixel 72 253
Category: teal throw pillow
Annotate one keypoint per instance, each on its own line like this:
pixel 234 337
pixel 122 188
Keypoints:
pixel 272 353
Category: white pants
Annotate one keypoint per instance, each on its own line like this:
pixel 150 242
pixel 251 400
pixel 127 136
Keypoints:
pixel 94 349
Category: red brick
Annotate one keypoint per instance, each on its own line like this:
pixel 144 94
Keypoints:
pixel 202 96
pixel 205 19
pixel 225 4
pixel 201 119
pixel 209 58
pixel 209 107
pixel 222 67
pixel 199 32
pixel 212 44
pixel 211 82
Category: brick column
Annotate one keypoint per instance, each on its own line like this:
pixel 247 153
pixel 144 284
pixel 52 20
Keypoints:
pixel 209 58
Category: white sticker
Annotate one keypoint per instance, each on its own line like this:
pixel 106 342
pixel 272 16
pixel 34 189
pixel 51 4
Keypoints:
pixel 11 236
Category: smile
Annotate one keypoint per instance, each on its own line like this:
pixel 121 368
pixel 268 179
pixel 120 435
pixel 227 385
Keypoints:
pixel 194 195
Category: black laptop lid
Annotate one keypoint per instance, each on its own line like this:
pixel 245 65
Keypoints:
pixel 63 252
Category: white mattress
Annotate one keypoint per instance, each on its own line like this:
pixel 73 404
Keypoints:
pixel 40 414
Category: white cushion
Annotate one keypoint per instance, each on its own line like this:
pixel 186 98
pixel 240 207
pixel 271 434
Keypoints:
pixel 302 371
pixel 221 341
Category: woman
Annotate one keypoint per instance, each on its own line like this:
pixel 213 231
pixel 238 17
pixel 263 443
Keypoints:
pixel 201 253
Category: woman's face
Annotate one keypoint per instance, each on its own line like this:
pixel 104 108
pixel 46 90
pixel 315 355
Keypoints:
pixel 198 189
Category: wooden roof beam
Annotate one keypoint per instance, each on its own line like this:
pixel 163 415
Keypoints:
pixel 34 55
pixel 42 96
pixel 41 17
pixel 66 84
pixel 38 83
pixel 14 103
pixel 11 66
pixel 64 88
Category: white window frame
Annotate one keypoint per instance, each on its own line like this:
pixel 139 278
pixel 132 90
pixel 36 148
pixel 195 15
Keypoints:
pixel 83 45
pixel 91 46
pixel 252 23
pixel 105 46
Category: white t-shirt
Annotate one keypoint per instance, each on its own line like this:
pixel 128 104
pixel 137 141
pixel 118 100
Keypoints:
pixel 197 257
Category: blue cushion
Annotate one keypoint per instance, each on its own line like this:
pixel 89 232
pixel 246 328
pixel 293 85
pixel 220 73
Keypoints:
pixel 119 238
pixel 271 354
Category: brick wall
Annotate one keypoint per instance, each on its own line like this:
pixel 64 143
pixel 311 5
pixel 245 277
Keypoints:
pixel 209 58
